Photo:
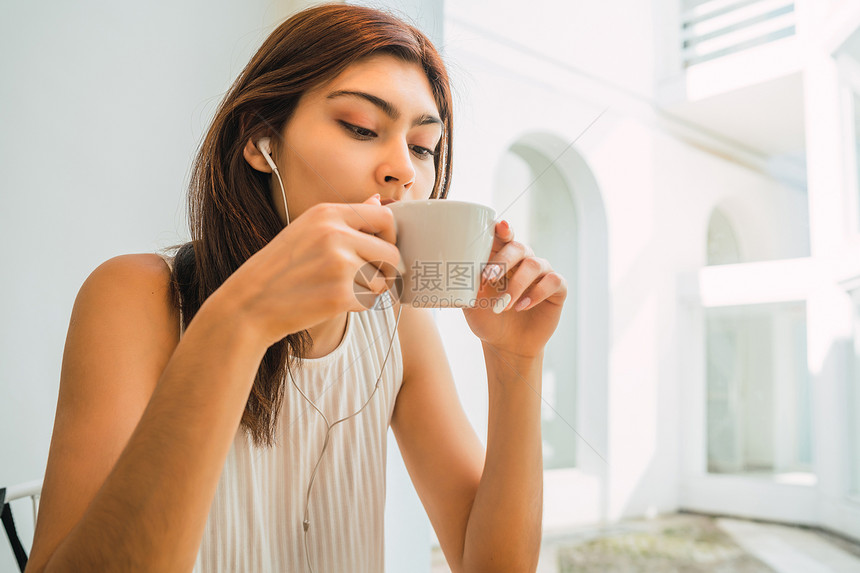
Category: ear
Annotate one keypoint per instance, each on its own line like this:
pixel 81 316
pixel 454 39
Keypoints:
pixel 254 158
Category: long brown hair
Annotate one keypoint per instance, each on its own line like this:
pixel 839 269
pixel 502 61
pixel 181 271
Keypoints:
pixel 230 209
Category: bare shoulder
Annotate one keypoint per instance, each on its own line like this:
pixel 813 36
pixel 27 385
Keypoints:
pixel 124 313
pixel 122 333
pixel 149 268
pixel 130 284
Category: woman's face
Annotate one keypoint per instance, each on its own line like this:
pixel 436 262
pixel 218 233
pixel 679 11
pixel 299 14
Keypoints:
pixel 372 129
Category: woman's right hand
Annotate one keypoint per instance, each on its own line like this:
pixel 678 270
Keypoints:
pixel 308 272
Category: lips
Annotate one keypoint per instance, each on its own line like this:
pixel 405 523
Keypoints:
pixel 386 201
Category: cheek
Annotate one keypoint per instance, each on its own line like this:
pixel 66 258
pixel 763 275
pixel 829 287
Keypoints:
pixel 322 158
pixel 419 194
pixel 336 173
pixel 425 178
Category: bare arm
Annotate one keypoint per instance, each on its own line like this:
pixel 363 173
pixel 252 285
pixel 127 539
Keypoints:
pixel 144 422
pixel 150 510
pixel 485 507
pixel 504 528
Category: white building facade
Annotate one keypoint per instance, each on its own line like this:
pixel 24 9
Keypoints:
pixel 691 167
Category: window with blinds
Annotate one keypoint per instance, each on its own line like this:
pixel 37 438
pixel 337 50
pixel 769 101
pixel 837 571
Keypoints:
pixel 716 28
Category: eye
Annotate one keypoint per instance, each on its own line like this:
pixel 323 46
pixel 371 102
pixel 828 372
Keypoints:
pixel 422 152
pixel 359 132
pixel 365 134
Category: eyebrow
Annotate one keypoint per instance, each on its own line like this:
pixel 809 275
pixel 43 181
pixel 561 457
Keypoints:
pixel 386 107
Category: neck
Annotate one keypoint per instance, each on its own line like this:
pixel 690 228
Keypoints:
pixel 327 336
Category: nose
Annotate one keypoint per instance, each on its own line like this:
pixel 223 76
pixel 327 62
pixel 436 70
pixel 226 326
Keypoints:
pixel 396 172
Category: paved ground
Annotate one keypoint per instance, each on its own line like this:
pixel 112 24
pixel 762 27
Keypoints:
pixel 687 543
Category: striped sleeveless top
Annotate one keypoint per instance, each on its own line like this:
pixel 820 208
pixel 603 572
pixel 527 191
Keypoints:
pixel 255 521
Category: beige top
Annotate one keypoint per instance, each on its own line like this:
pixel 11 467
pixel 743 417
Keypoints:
pixel 255 521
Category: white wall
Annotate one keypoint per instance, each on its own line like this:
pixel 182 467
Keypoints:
pixel 102 106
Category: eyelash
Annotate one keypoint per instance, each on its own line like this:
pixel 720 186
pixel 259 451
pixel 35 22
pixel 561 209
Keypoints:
pixel 365 134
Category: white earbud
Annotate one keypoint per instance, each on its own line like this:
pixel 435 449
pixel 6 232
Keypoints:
pixel 265 147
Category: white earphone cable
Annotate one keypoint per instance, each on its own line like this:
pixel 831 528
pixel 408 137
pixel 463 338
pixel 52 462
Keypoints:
pixel 306 522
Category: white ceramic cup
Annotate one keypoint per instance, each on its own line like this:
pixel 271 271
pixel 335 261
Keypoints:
pixel 444 246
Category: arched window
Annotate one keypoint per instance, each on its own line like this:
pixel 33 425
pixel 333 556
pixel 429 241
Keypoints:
pixel 535 198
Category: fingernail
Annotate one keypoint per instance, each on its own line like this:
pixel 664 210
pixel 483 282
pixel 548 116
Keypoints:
pixel 502 303
pixel 506 225
pixel 378 197
pixel 491 272
pixel 524 302
pixel 488 270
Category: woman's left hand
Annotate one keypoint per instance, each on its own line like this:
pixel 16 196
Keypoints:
pixel 534 294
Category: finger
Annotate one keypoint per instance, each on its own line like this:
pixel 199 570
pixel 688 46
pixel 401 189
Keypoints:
pixel 552 287
pixel 375 250
pixel 370 277
pixel 529 270
pixel 504 261
pixel 503 234
pixel 371 218
pixel 504 230
pixel 364 297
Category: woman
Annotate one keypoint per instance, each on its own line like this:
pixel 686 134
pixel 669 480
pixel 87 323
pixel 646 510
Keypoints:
pixel 170 452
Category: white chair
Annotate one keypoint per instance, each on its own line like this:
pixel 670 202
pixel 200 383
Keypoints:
pixel 33 490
